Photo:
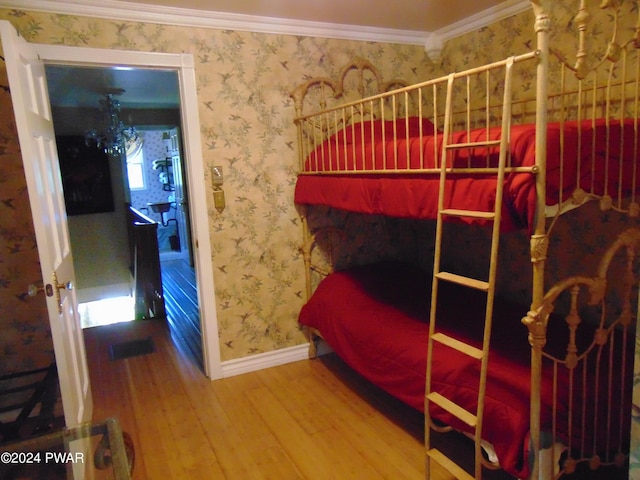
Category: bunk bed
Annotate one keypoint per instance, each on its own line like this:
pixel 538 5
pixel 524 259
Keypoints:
pixel 470 148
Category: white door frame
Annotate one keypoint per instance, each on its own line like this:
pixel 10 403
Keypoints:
pixel 201 244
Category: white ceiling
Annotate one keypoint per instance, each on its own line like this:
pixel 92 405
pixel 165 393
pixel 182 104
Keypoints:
pixel 85 86
pixel 419 15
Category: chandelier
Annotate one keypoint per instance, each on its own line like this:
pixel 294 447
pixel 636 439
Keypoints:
pixel 114 133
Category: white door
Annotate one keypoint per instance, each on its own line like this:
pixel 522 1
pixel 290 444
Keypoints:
pixel 37 142
pixel 182 204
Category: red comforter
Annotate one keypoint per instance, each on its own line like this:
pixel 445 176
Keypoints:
pixel 604 162
pixel 375 319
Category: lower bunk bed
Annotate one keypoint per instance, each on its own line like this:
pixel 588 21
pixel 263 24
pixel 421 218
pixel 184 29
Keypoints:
pixel 375 317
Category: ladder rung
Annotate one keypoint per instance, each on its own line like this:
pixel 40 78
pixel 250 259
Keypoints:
pixel 466 281
pixel 448 464
pixel 454 409
pixel 468 213
pixel 486 143
pixel 458 345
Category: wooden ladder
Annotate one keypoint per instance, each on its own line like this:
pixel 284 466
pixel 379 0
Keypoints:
pixel 472 419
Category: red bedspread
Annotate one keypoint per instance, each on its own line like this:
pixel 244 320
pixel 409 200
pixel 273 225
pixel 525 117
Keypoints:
pixel 375 319
pixel 605 162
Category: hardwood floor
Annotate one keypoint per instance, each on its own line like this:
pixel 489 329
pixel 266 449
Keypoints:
pixel 181 304
pixel 313 419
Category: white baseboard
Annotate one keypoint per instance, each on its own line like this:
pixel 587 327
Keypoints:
pixel 254 363
pixel 265 360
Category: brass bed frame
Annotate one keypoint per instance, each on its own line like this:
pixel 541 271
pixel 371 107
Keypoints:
pixel 599 84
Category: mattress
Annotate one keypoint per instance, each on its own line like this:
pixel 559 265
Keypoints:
pixel 599 156
pixel 375 318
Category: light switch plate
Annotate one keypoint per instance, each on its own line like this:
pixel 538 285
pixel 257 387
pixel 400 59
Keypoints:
pixel 216 176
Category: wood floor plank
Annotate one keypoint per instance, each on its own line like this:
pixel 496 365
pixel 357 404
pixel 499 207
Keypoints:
pixel 275 464
pixel 261 444
pixel 247 422
pixel 394 452
pixel 303 404
pixel 187 435
pixel 307 420
pixel 316 456
pixel 181 304
pixel 232 453
pixel 112 396
pixel 153 449
pixel 307 404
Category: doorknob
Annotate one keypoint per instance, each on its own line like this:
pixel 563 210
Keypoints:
pixel 33 290
pixel 50 290
pixel 61 286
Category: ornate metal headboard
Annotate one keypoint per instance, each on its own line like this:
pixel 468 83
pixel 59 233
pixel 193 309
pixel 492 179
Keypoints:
pixel 320 93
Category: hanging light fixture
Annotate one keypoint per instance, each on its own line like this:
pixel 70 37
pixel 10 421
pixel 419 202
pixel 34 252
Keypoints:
pixel 114 133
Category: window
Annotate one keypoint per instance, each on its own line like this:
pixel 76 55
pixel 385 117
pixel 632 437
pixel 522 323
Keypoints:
pixel 135 165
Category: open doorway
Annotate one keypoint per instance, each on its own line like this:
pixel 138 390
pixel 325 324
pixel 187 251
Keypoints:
pixel 33 72
pixel 152 180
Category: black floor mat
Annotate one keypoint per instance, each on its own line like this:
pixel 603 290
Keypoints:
pixel 133 348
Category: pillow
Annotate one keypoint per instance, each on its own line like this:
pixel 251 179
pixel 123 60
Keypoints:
pixel 428 128
pixel 361 132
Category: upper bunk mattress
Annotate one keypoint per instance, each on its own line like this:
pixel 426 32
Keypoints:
pixel 598 156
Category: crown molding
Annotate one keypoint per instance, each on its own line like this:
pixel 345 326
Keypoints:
pixel 434 41
pixel 506 9
pixel 129 11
